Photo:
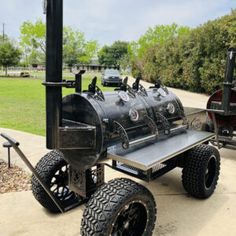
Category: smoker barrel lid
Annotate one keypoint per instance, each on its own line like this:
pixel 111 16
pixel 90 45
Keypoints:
pixel 149 156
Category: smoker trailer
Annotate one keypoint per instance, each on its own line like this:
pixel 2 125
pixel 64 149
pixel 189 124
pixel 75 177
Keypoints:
pixel 145 132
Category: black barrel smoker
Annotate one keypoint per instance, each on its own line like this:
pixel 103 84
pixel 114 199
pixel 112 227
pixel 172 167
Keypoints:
pixel 145 133
pixel 221 107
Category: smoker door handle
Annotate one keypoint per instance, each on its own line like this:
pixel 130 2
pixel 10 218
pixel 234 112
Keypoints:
pixel 152 137
pixel 126 143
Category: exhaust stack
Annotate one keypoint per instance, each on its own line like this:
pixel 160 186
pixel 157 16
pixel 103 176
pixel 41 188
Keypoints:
pixel 228 83
pixel 54 37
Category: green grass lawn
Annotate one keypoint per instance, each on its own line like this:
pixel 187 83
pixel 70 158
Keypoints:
pixel 22 102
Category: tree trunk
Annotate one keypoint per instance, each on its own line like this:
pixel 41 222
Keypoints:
pixel 6 71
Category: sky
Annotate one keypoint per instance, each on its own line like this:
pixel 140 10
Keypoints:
pixel 109 20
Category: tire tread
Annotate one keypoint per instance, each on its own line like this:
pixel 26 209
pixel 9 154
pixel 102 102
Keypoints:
pixel 106 201
pixel 194 169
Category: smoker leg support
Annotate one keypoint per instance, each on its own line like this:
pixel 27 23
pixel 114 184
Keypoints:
pixel 8 146
pixel 15 145
pixel 216 130
pixel 86 182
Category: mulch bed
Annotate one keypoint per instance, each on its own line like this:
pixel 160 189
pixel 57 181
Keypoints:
pixel 14 179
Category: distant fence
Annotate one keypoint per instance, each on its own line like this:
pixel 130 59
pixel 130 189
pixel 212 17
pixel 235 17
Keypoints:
pixel 94 67
pixel 29 68
pixel 87 67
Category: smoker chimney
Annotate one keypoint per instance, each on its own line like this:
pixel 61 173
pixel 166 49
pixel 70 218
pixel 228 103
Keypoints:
pixel 54 19
pixel 228 83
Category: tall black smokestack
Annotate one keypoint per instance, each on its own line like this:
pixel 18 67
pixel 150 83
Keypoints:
pixel 228 83
pixel 54 19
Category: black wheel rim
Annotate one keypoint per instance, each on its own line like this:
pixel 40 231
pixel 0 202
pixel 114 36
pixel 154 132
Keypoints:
pixel 210 172
pixel 59 184
pixel 131 220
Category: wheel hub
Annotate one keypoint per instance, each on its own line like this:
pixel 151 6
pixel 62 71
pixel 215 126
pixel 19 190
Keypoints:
pixel 59 184
pixel 126 225
pixel 131 220
pixel 210 172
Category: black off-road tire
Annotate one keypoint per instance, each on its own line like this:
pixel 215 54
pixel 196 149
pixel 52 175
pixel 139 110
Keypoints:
pixel 123 205
pixel 201 171
pixel 48 167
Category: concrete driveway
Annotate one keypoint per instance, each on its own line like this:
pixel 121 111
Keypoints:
pixel 178 214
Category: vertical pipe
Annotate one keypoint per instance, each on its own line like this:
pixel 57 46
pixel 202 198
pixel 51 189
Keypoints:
pixel 53 70
pixel 227 85
pixel 78 83
pixel 9 157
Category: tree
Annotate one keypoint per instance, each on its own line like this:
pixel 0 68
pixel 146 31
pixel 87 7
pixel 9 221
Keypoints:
pixel 112 55
pixel 76 49
pixel 9 55
pixel 32 36
pixel 159 34
pixel 91 49
pixel 74 42
pixel 192 59
pixel 35 58
pixel 124 63
pixel 2 39
pixel 105 56
pixel 143 52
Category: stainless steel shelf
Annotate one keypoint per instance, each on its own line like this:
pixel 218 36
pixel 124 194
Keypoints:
pixel 147 156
